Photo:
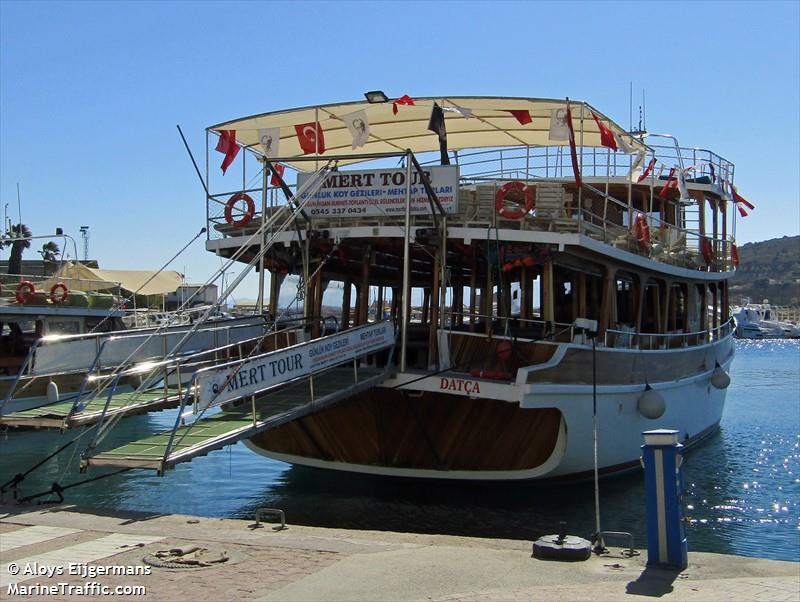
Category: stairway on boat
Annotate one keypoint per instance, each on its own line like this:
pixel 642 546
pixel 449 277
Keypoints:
pixel 239 399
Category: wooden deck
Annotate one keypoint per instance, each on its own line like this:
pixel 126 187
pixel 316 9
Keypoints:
pixel 58 415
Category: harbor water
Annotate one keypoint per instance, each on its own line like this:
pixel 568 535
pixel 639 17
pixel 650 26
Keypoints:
pixel 742 486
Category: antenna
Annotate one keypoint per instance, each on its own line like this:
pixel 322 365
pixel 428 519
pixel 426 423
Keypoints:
pixel 644 111
pixel 19 205
pixel 85 237
pixel 630 106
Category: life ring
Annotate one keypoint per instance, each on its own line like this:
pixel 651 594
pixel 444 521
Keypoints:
pixel 55 297
pixel 24 292
pixel 642 231
pixel 514 189
pixel 492 374
pixel 250 210
pixel 707 250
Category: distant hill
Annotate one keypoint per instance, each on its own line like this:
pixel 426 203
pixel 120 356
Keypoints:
pixel 768 270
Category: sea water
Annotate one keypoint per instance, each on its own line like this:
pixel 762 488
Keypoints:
pixel 742 486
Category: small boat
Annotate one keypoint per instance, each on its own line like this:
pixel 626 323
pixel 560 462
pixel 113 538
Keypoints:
pixel 756 321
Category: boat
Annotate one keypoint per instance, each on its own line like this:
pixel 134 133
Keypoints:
pixel 756 321
pixel 544 277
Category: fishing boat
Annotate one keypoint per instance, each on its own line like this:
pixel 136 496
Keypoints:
pixel 520 275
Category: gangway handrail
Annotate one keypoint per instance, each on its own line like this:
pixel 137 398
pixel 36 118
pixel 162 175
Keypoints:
pixel 194 384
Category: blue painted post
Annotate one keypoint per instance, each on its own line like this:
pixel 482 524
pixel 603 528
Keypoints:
pixel 662 456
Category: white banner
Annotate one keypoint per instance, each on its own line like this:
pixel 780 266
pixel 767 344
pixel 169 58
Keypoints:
pixel 234 381
pixel 381 192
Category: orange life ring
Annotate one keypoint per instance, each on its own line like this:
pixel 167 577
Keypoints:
pixel 24 291
pixel 250 210
pixel 514 189
pixel 492 374
pixel 706 250
pixel 642 231
pixel 55 297
pixel 734 256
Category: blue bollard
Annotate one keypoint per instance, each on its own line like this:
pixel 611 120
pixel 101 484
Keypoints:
pixel 662 456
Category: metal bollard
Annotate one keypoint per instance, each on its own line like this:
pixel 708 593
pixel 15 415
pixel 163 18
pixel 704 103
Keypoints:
pixel 261 512
pixel 662 457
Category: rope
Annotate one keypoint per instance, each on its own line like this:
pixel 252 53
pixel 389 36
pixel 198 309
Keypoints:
pixel 59 489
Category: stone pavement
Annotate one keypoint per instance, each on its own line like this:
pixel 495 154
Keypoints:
pixel 307 563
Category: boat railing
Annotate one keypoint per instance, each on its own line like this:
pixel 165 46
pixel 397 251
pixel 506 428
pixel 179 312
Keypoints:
pixel 630 339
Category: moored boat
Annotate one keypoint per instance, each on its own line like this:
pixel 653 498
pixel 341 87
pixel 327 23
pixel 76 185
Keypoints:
pixel 547 273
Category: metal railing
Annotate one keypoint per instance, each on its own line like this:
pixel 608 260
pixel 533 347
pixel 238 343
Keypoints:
pixel 624 339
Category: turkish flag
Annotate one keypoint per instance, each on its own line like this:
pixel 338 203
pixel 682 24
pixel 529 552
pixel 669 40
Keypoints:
pixel 523 116
pixel 741 202
pixel 311 137
pixel 606 137
pixel 647 170
pixel 405 99
pixel 280 168
pixel 227 145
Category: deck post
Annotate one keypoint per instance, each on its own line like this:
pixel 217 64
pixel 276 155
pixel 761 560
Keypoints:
pixel 263 241
pixel 406 268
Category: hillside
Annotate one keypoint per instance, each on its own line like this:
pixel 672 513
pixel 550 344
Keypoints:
pixel 768 270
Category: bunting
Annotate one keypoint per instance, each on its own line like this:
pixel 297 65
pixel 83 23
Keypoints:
pixel 522 115
pixel 742 204
pixel 672 182
pixel 572 150
pixel 280 169
pixel 228 147
pixel 405 99
pixel 558 125
pixel 311 137
pixel 647 170
pixel 358 124
pixel 606 137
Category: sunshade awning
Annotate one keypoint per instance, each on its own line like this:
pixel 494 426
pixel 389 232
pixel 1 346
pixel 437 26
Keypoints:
pixel 492 125
pixel 81 277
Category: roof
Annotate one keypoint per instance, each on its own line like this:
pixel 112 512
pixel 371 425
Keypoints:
pixel 490 126
pixel 160 283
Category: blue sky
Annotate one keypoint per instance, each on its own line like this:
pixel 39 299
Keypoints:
pixel 90 92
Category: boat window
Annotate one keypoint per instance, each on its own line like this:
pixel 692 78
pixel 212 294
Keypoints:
pixel 63 327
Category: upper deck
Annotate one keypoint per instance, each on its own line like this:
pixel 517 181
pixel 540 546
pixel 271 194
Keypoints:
pixel 650 199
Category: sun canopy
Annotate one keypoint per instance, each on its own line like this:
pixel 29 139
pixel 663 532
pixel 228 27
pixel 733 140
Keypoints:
pixel 92 279
pixel 471 122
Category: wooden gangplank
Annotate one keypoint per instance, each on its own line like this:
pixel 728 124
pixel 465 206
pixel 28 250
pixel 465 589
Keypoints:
pixel 59 415
pixel 270 410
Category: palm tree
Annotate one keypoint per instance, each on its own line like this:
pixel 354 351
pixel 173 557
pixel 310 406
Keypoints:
pixel 21 233
pixel 49 253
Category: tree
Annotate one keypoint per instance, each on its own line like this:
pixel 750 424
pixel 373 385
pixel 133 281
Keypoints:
pixel 49 253
pixel 21 233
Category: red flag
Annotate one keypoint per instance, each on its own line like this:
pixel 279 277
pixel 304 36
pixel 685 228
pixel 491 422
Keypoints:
pixel 311 137
pixel 405 99
pixel 227 145
pixel 647 170
pixel 523 116
pixel 734 256
pixel 572 151
pixel 280 168
pixel 741 202
pixel 606 137
pixel 671 183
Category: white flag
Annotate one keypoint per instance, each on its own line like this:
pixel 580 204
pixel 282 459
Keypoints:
pixel 623 145
pixel 463 111
pixel 558 125
pixel 270 141
pixel 681 175
pixel 358 124
pixel 636 166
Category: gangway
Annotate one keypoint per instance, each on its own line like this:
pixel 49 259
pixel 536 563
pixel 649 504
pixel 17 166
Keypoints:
pixel 272 389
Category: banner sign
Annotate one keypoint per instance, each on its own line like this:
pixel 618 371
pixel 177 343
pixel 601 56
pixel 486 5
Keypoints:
pixel 216 386
pixel 380 192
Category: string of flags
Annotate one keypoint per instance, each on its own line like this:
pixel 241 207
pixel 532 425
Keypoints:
pixel 311 136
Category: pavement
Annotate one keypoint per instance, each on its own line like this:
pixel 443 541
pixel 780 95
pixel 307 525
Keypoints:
pixel 41 546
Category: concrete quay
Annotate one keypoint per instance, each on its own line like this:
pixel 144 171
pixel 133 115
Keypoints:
pixel 309 563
